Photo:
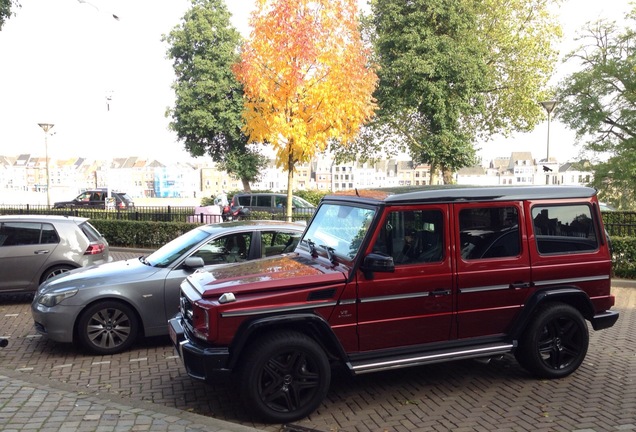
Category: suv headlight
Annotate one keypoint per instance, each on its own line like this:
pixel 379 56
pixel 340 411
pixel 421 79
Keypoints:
pixel 50 300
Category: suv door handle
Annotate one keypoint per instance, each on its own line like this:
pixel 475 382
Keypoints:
pixel 41 252
pixel 440 293
pixel 519 285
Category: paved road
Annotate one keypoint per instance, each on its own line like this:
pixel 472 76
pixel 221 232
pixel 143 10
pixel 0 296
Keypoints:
pixel 459 396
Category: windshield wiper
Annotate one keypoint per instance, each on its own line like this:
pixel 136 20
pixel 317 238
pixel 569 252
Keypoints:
pixel 331 253
pixel 312 248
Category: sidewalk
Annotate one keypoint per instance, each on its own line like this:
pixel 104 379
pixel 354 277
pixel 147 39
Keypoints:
pixel 28 402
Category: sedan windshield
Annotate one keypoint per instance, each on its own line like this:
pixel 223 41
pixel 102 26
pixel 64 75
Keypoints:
pixel 339 228
pixel 168 253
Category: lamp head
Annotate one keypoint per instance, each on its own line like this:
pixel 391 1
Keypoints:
pixel 45 126
pixel 549 105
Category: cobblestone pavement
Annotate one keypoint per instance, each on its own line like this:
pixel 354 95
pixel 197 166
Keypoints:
pixel 458 396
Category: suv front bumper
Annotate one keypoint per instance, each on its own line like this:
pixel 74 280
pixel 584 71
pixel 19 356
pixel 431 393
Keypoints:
pixel 201 362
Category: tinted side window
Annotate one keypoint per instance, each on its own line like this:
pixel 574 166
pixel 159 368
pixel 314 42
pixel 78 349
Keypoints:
pixel 244 200
pixel 413 236
pixel 49 235
pixel 564 229
pixel 263 201
pixel 491 232
pixel 227 249
pixel 20 233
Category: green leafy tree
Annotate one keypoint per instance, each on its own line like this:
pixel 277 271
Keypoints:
pixel 454 70
pixel 598 102
pixel 5 10
pixel 207 115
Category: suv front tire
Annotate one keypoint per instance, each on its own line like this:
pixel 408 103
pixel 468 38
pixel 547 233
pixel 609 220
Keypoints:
pixel 285 376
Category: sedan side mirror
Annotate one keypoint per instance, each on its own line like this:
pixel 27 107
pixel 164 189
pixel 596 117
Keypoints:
pixel 194 262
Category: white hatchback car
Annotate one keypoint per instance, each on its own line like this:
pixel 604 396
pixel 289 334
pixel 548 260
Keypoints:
pixel 34 248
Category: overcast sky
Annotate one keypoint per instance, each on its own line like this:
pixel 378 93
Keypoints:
pixel 62 60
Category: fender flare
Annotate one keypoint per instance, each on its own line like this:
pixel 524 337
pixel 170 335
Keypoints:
pixel 313 325
pixel 570 295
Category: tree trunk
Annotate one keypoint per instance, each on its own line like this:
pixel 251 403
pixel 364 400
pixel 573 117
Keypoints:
pixel 246 185
pixel 434 174
pixel 290 182
pixel 448 176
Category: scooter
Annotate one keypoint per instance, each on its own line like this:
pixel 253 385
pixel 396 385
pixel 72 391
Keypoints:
pixel 230 213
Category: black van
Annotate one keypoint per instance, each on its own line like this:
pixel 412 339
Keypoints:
pixel 271 202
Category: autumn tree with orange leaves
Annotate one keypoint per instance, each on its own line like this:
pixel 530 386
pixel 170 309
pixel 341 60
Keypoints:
pixel 306 77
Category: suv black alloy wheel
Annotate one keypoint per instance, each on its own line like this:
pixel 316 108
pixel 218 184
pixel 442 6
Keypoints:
pixel 285 376
pixel 555 343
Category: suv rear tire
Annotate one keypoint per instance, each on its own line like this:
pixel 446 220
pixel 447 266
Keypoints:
pixel 284 376
pixel 555 343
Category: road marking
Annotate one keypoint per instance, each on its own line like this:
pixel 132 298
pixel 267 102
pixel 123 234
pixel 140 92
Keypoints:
pixel 139 359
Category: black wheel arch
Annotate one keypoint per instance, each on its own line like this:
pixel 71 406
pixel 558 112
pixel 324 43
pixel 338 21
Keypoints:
pixel 569 295
pixel 312 325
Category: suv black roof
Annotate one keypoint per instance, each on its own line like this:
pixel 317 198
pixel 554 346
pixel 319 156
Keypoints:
pixel 454 193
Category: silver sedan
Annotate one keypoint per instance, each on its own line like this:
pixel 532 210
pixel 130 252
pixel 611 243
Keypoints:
pixel 106 307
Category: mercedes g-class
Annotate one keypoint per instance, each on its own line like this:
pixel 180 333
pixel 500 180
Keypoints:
pixel 409 279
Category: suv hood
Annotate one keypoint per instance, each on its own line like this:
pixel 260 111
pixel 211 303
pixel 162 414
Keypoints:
pixel 268 274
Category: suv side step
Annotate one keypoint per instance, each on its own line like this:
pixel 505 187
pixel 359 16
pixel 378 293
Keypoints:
pixel 429 357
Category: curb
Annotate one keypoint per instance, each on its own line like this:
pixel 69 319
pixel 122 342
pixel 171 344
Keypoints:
pixel 624 283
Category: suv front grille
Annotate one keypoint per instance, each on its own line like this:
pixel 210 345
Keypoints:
pixel 186 309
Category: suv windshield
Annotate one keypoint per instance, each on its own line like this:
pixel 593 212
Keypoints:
pixel 339 227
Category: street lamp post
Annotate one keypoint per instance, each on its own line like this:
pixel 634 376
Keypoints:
pixel 549 107
pixel 46 127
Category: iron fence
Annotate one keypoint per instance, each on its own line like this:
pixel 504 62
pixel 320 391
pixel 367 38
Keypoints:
pixel 617 223
pixel 188 214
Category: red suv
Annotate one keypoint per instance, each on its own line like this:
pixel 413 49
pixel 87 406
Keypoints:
pixel 410 279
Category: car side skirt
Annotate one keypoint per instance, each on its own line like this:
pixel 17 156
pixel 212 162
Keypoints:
pixel 363 366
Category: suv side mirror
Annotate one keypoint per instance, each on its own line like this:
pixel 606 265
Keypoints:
pixel 377 262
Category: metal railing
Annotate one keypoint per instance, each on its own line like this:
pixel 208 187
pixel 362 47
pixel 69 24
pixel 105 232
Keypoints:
pixel 187 214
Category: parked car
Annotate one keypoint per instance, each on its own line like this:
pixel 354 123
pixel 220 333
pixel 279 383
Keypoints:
pixel 606 207
pixel 411 279
pixel 107 307
pixel 271 202
pixel 98 198
pixel 36 248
